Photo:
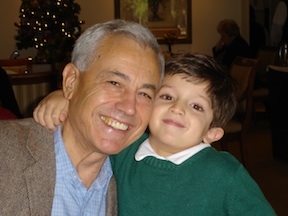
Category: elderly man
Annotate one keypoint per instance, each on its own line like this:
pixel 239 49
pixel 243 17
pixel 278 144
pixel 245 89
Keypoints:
pixel 110 85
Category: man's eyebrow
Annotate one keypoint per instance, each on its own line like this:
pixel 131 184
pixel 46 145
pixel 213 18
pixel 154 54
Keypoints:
pixel 149 86
pixel 127 78
pixel 122 75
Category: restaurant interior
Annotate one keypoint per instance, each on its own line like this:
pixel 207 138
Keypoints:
pixel 254 144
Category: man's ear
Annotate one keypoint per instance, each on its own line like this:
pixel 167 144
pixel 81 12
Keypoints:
pixel 70 76
pixel 213 135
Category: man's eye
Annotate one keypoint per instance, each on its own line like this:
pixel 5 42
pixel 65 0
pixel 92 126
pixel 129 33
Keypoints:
pixel 114 83
pixel 166 97
pixel 197 107
pixel 146 95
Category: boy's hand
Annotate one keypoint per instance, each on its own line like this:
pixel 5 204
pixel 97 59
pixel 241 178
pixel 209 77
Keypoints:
pixel 52 110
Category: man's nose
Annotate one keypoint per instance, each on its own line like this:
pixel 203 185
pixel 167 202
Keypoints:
pixel 127 104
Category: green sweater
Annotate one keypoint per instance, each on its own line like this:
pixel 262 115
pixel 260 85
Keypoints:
pixel 208 183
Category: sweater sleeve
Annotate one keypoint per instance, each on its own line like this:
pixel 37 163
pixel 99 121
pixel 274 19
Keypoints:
pixel 246 198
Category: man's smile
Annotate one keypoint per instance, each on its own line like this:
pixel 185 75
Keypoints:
pixel 113 123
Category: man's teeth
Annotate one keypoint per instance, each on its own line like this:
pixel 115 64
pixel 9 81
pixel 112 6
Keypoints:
pixel 115 124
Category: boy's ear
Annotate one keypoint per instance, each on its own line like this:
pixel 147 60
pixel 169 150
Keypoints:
pixel 70 76
pixel 213 135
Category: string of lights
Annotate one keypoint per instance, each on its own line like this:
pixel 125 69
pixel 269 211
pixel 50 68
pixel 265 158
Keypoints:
pixel 51 26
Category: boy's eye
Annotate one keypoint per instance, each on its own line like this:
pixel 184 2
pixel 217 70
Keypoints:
pixel 166 97
pixel 197 107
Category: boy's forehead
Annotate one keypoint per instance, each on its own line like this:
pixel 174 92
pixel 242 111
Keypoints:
pixel 183 76
pixel 171 80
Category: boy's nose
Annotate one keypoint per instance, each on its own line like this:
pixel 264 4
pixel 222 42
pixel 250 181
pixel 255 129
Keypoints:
pixel 177 108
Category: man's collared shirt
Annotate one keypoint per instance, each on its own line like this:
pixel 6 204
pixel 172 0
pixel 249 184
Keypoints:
pixel 71 197
pixel 145 150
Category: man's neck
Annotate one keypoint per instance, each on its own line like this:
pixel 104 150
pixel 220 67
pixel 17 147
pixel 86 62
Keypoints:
pixel 89 167
pixel 87 162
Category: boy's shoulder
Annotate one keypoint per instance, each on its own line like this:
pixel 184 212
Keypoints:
pixel 218 160
pixel 129 151
pixel 134 146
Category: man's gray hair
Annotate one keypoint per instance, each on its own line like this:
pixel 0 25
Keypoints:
pixel 85 49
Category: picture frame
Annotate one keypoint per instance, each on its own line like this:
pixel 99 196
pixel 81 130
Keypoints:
pixel 168 20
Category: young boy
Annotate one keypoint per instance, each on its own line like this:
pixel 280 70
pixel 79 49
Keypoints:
pixel 173 170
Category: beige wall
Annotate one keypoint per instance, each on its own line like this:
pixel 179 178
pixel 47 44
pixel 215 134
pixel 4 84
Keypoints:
pixel 205 16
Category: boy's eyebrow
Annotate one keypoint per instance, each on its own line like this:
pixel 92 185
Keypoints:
pixel 207 99
pixel 127 78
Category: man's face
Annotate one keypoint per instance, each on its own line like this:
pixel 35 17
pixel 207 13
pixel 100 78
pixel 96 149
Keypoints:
pixel 112 101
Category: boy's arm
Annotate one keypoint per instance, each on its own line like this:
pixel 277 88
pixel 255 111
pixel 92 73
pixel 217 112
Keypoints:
pixel 247 198
pixel 52 110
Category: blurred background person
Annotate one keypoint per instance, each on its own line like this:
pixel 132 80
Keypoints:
pixel 231 44
pixel 7 97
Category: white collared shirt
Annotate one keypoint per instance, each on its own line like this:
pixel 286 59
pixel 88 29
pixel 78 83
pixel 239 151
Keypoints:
pixel 145 150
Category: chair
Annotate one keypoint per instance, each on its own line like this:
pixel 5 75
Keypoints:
pixel 30 88
pixel 268 56
pixel 20 65
pixel 243 70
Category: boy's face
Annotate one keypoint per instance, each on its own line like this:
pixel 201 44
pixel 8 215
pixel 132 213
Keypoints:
pixel 181 116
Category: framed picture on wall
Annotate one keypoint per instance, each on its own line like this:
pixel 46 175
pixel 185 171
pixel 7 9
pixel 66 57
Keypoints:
pixel 166 19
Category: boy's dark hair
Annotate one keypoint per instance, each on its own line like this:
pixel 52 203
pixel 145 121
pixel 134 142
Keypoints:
pixel 222 90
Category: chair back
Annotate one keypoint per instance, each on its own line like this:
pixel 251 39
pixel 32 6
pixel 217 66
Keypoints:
pixel 243 70
pixel 268 56
pixel 30 88
pixel 20 65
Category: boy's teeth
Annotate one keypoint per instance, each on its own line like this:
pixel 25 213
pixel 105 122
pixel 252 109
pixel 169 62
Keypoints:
pixel 115 124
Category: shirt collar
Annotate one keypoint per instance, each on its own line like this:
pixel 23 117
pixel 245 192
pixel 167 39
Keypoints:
pixel 146 150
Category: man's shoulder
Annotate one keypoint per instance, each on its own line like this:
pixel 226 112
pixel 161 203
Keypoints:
pixel 21 126
pixel 22 142
pixel 19 134
pixel 28 161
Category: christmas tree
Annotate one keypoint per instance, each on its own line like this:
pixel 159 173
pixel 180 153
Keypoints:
pixel 51 26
